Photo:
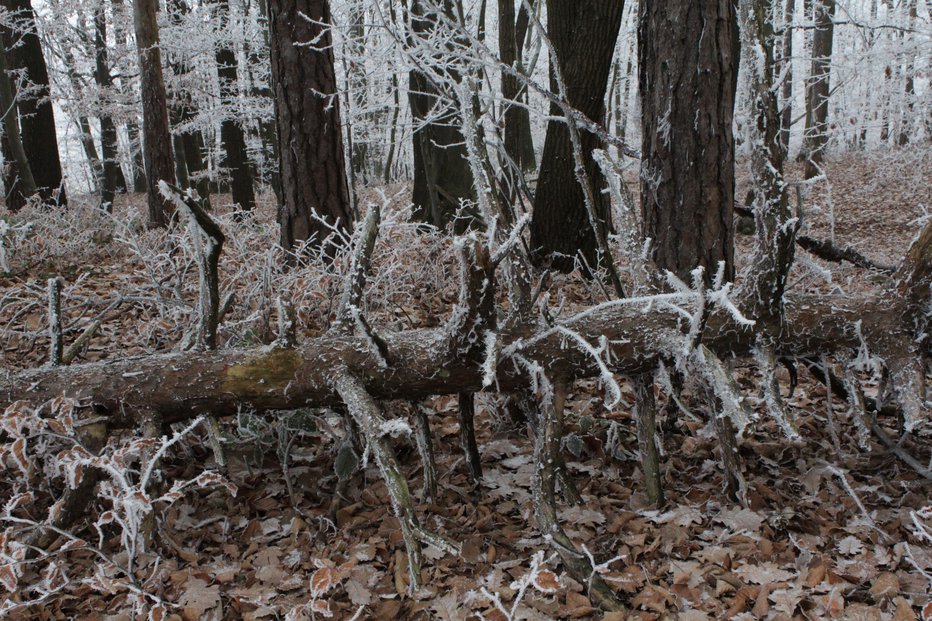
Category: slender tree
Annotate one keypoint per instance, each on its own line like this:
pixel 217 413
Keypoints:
pixel 231 134
pixel 442 176
pixel 112 173
pixel 519 144
pixel 817 95
pixel 583 34
pixel 36 117
pixel 313 171
pixel 190 164
pixel 17 173
pixel 157 147
pixel 688 66
pixel 786 61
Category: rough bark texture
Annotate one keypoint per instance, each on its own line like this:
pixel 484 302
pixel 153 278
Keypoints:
pixel 442 176
pixel 182 385
pixel 817 95
pixel 583 33
pixel 231 134
pixel 786 61
pixel 518 142
pixel 112 174
pixel 189 151
pixel 688 52
pixel 17 173
pixel 157 147
pixel 37 120
pixel 312 166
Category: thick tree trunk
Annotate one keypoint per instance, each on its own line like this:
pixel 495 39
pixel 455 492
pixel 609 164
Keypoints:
pixel 231 134
pixel 442 176
pixel 817 95
pixel 688 55
pixel 157 147
pixel 583 34
pixel 37 120
pixel 310 140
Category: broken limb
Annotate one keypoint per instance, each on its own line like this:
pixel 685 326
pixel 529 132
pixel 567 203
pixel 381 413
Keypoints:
pixel 368 415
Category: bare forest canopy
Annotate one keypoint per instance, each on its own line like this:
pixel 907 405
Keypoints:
pixel 309 232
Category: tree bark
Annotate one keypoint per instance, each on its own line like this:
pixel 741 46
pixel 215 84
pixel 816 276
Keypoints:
pixel 817 95
pixel 37 120
pixel 17 174
pixel 583 34
pixel 519 145
pixel 270 378
pixel 310 140
pixel 157 147
pixel 442 176
pixel 688 54
pixel 231 134
pixel 786 60
pixel 112 172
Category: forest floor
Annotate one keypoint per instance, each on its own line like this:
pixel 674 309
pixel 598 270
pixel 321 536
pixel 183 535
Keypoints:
pixel 830 530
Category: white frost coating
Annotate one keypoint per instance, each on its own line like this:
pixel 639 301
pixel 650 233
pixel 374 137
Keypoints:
pixel 13 232
pixel 490 363
pixel 772 398
pixel 723 385
pixel 396 427
pixel 513 238
pixel 612 389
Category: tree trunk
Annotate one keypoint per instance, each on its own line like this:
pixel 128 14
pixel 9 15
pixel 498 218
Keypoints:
pixel 817 95
pixel 786 114
pixel 231 134
pixel 112 173
pixel 583 34
pixel 189 151
pixel 904 137
pixel 519 145
pixel 17 173
pixel 688 67
pixel 157 147
pixel 312 164
pixel 442 176
pixel 37 120
pixel 279 379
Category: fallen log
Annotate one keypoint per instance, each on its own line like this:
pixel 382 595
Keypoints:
pixel 183 385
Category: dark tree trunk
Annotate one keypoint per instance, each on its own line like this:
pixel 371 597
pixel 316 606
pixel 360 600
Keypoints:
pixel 518 141
pixel 112 173
pixel 268 128
pixel 17 173
pixel 37 120
pixel 189 151
pixel 158 142
pixel 786 114
pixel 231 134
pixel 442 177
pixel 311 158
pixel 817 96
pixel 688 54
pixel 583 33
pixel 907 118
